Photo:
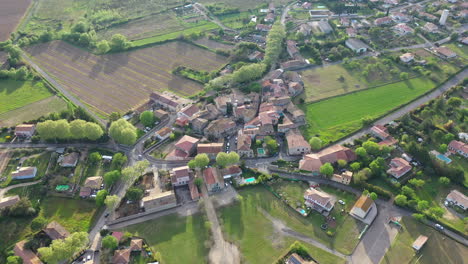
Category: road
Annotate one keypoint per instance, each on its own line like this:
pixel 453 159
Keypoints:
pixel 61 89
pixel 6 189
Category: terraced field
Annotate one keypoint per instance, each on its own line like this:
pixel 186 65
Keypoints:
pixel 119 82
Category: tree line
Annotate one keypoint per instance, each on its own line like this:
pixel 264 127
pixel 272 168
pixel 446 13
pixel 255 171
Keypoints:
pixel 64 130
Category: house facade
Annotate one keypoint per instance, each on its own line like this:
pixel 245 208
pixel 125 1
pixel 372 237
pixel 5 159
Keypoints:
pixel 318 200
pixel 457 198
pixel 458 147
pixel 180 176
pixel 25 130
pixel 24 173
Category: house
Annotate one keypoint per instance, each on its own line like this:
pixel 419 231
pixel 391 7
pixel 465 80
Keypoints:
pixel 362 207
pixel 402 29
pixel 9 201
pixel 198 124
pixel 55 231
pixel 25 254
pixel 180 176
pixel 69 160
pixel 118 235
pixel 211 149
pixel 306 5
pixel 25 130
pixel 445 52
pixel 292 49
pixel 399 167
pixel 356 45
pixel 345 22
pixel 220 128
pixel 121 256
pixel 287 124
pixel 271 7
pixel 93 182
pixel 312 162
pixel 183 148
pixel 262 27
pixel 194 193
pixel 182 121
pixel 319 200
pixel 163 133
pixel 419 242
pixel 157 200
pixel 85 192
pixel 392 2
pixel 297 145
pixel 231 172
pixel 24 173
pixel 343 178
pixel 427 16
pixel 256 56
pixel 383 21
pixel 430 27
pixel 399 17
pixel 213 180
pixel 322 25
pixel 244 145
pixel 352 33
pixel 270 18
pixel 294 65
pixel 295 88
pixel 459 147
pixel 464 40
pixel 161 114
pixel 222 102
pixel 458 199
pixel 188 111
pixel 166 101
pixel 294 258
pixel 136 244
pixel 379 131
pixel 407 57
pixel 305 29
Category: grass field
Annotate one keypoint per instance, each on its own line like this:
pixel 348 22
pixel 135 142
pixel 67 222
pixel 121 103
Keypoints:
pixel 16 94
pixel 10 15
pixel 438 248
pixel 337 117
pixel 121 81
pixel 243 5
pixel 32 111
pixel 460 49
pixel 178 239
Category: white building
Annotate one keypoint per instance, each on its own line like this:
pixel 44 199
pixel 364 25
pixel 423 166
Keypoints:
pixel 443 17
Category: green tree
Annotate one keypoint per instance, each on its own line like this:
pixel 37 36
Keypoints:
pixel 103 47
pixel 408 192
pixel 95 157
pixel 222 159
pixel 62 129
pixel 419 217
pixel 14 260
pixel 147 118
pixel 38 223
pixel 233 158
pixel 275 40
pixel 119 42
pixel 84 40
pixel 134 194
pixel 362 175
pixel 130 174
pixel 114 116
pixel 111 201
pixel 110 242
pixel 361 152
pixel 93 131
pixel 200 161
pixel 417 183
pixel 377 165
pixel 355 166
pixel 271 144
pixel 371 147
pixel 423 205
pixel 373 196
pixel 326 169
pixel 63 249
pixel 448 137
pixel 315 143
pixel 454 102
pixel 404 75
pixel 111 177
pixel 46 130
pixel 444 181
pixel 342 163
pixel 123 132
pixel 80 27
pixel 436 211
pixel 249 73
pixel 118 160
pixel 77 128
pixel 101 197
pixel 443 148
pixel 401 200
pixel 198 181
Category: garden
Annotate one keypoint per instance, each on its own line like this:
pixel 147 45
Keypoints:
pixel 34 158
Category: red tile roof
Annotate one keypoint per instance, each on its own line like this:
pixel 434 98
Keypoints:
pixel 25 254
pixel 210 148
pixel 55 231
pixel 186 143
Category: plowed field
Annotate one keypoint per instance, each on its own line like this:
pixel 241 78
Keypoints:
pixel 11 12
pixel 119 82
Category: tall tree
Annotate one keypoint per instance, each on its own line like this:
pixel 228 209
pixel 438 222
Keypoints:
pixel 77 128
pixel 101 197
pixel 111 201
pixel 110 242
pixel 63 249
pixel 93 131
pixel 111 177
pixel 147 118
pixel 326 169
pixel 315 143
pixel 123 132
pixel 222 159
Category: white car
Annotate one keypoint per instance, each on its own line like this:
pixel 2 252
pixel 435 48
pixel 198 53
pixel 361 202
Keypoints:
pixel 341 202
pixel 439 227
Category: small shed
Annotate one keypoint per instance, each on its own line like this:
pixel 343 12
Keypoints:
pixel 419 242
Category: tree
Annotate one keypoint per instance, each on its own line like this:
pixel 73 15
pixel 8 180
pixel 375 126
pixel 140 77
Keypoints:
pixel 443 148
pixel 147 118
pixel 80 27
pixel 315 143
pixel 355 166
pixel 130 174
pixel 63 249
pixel 38 223
pixel 123 132
pixel 373 196
pixel 454 102
pixel 274 42
pixel 14 260
pixel 103 47
pixel 417 183
pixel 419 217
pixel 46 129
pixel 233 158
pixel 271 145
pixel 362 175
pixel 408 192
pixel 326 169
pixel 198 182
pixel 114 116
pixel 448 137
pixel 377 165
pixel 401 200
pixel 119 42
pixel 62 129
pixel 93 131
pixel 77 128
pixel 101 197
pixel 436 211
pixel 134 194
pixel 423 205
pixel 361 152
pixel 342 163
pixel 110 242
pixel 95 158
pixel 371 147
pixel 111 177
pixel 444 181
pixel 22 208
pixel 200 161
pixel 84 40
pixel 118 160
pixel 404 75
pixel 222 159
pixel 111 201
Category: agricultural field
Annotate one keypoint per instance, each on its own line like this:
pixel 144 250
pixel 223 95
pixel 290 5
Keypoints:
pixel 11 12
pixel 438 248
pixel 337 117
pixel 119 82
pixel 32 111
pixel 16 94
pixel 189 235
pixel 244 5
pixel 215 45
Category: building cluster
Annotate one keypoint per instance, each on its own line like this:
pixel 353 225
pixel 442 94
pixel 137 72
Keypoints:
pixel 127 254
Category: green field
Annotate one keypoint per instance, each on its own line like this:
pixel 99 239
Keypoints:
pixel 255 199
pixel 438 248
pixel 337 117
pixel 460 49
pixel 244 5
pixel 178 239
pixel 16 94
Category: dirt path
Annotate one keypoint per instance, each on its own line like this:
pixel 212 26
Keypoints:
pixel 222 251
pixel 5 190
pixel 4 159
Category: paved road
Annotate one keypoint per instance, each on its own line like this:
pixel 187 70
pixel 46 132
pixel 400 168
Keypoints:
pixel 59 87
pixel 285 13
pixel 6 189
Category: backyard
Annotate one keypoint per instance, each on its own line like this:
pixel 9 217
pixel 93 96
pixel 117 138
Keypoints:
pixel 30 158
pixel 438 248
pixel 337 117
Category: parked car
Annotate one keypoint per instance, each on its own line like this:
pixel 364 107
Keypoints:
pixel 439 227
pixel 341 202
pixel 106 215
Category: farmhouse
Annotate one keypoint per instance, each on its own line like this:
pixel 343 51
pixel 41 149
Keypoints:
pixel 183 148
pixel 399 17
pixel 427 16
pixel 136 244
pixel 294 65
pixel 25 254
pixel 69 160
pixel 211 149
pixel 445 52
pixel 380 132
pixel 163 133
pixel 356 45
pixel 352 33
pixel 319 200
pixel 305 29
pixel 399 167
pixel 9 201
pixel 194 193
pixel 213 180
pixel 364 209
pixel 180 176
pixel 188 111
pixel 55 231
pixel 24 173
pixel 93 182
pixel 419 242
pixel 458 147
pixel 297 145
pixel 270 18
pixel 25 130
pixel 312 162
pixel 198 124
pixel 457 198
pixel 407 57
pixel 292 49
pixel 295 88
pixel 344 178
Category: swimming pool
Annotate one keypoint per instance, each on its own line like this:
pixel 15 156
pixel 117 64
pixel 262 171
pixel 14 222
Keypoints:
pixel 444 158
pixel 250 180
pixel 302 211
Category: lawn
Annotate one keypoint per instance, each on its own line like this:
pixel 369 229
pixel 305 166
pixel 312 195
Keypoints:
pixel 337 117
pixel 178 239
pixel 38 160
pixel 15 94
pixel 258 242
pixel 438 249
pixel 258 197
pixel 460 49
